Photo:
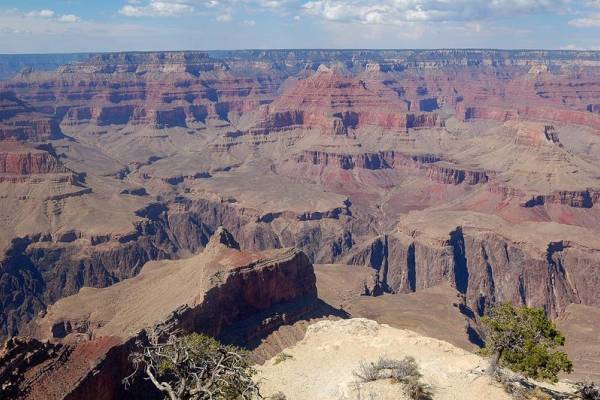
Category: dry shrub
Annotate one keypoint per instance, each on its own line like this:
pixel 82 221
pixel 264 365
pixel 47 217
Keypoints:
pixel 521 388
pixel 367 372
pixel 405 372
pixel 281 357
pixel 278 396
pixel 417 390
pixel 588 391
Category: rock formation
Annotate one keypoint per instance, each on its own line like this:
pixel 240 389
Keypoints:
pixel 332 350
pixel 472 169
pixel 87 336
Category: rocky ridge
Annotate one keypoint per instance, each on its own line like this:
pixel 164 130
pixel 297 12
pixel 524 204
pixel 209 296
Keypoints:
pixel 86 344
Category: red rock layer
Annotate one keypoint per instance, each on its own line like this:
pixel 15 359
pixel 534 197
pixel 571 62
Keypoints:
pixel 29 127
pixel 27 163
pixel 335 104
pixel 564 117
pixel 455 176
pixel 160 89
pixel 379 160
pixel 578 199
pixel 21 163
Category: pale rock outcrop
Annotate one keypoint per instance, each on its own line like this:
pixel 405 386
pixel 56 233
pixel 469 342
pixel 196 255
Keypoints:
pixel 321 365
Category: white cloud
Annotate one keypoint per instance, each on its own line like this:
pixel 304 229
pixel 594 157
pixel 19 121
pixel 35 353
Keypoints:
pixel 157 9
pixel 249 23
pixel 224 17
pixel 24 32
pixel 402 11
pixel 41 13
pixel 131 11
pixel 272 4
pixel 592 21
pixel 170 8
pixel 69 18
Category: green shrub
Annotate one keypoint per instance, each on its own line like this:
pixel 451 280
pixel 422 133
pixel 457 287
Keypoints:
pixel 524 340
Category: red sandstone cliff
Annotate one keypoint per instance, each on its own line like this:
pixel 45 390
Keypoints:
pixel 559 116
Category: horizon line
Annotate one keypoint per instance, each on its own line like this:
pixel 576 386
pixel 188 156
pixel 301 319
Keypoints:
pixel 305 49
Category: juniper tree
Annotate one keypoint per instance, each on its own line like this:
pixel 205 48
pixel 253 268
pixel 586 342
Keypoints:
pixel 196 367
pixel 524 340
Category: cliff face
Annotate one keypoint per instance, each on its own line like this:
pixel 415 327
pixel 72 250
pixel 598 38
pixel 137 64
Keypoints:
pixel 379 160
pixel 121 89
pixel 565 117
pixel 33 128
pixel 28 163
pixel 23 163
pixel 337 104
pixel 455 176
pixel 585 198
pixel 40 270
pixel 216 288
pixel 486 266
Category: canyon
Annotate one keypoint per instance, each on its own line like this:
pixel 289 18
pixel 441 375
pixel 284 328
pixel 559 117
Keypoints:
pixel 333 183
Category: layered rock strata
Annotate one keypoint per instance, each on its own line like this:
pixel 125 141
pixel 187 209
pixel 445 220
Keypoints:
pixel 486 260
pixel 216 288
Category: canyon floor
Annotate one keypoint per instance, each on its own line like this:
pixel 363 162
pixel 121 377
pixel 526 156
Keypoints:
pixel 415 188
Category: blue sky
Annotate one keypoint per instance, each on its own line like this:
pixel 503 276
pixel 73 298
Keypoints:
pixel 45 26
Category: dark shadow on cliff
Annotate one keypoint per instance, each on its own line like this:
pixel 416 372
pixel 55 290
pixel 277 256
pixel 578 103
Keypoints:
pixel 461 268
pixel 472 333
pixel 253 331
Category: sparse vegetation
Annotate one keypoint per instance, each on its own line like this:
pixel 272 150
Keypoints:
pixel 367 372
pixel 281 357
pixel 524 340
pixel 588 391
pixel 519 387
pixel 278 396
pixel 417 390
pixel 405 372
pixel 195 367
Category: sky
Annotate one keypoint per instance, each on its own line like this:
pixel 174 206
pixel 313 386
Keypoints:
pixel 59 26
